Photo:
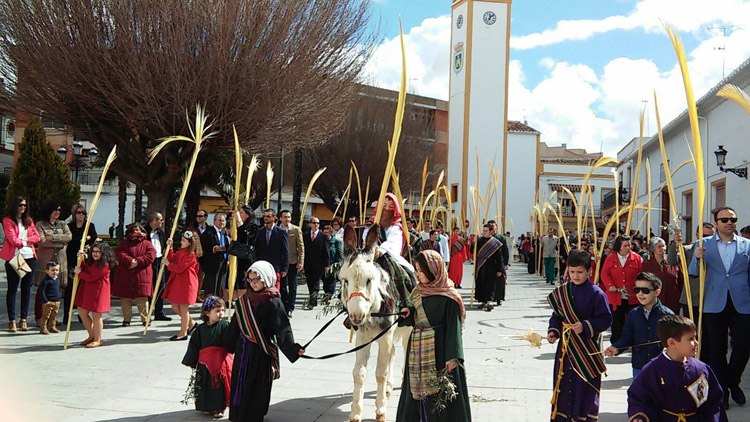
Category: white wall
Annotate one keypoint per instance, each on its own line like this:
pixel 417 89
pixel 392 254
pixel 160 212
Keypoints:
pixel 520 191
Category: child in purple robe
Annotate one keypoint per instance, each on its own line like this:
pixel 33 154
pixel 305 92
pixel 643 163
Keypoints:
pixel 675 386
pixel 581 314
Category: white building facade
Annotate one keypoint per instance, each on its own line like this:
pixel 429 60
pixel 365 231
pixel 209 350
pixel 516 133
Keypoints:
pixel 722 122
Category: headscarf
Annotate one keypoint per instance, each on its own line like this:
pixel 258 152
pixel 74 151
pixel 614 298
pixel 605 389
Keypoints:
pixel 442 285
pixel 267 274
pixel 396 213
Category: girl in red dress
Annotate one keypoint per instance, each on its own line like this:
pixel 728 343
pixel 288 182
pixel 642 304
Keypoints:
pixel 182 286
pixel 93 291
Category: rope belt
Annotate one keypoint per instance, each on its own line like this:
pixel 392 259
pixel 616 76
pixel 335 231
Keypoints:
pixel 681 417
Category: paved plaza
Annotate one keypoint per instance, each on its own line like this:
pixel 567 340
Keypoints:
pixel 133 378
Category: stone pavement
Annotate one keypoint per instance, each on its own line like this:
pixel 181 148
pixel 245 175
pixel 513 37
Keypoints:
pixel 133 378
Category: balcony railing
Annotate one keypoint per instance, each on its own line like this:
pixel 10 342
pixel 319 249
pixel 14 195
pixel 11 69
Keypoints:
pixel 608 201
pixel 570 211
pixel 89 177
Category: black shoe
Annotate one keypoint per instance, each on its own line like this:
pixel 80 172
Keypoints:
pixel 175 338
pixel 126 323
pixel 289 314
pixel 162 317
pixel 457 286
pixel 737 395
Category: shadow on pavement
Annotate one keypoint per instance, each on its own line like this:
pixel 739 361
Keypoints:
pixel 612 417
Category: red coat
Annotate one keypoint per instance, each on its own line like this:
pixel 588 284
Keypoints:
pixel 671 280
pixel 134 282
pixel 182 287
pixel 93 290
pixel 614 274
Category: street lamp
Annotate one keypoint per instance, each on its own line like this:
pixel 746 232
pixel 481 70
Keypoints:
pixel 721 156
pixel 77 163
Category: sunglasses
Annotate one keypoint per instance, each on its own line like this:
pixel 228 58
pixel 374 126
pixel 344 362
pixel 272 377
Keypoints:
pixel 21 205
pixel 726 220
pixel 58 209
pixel 644 290
pixel 81 212
pixel 200 216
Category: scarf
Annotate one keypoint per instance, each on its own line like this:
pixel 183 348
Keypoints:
pixel 219 364
pixel 422 362
pixel 457 245
pixel 397 214
pixel 489 247
pixel 442 285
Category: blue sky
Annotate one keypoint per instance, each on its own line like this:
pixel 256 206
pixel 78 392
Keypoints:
pixel 580 69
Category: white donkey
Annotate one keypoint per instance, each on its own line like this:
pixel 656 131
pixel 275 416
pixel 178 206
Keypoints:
pixel 365 289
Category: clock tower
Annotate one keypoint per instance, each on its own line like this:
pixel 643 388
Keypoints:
pixel 480 44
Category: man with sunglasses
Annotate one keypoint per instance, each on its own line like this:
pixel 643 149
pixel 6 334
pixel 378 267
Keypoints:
pixel 726 304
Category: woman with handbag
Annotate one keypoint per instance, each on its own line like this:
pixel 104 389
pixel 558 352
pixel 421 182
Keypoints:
pixel 242 248
pixel 20 259
pixel 54 236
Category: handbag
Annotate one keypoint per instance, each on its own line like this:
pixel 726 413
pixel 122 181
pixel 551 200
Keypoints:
pixel 20 265
pixel 239 249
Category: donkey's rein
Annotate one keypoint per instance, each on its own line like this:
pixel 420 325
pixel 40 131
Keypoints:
pixel 327 324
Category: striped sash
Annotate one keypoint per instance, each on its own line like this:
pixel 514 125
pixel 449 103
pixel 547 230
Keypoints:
pixel 491 246
pixel 584 352
pixel 422 362
pixel 250 329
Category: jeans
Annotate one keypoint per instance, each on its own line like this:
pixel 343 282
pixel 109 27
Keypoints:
pixel 636 372
pixel 13 281
pixel 289 288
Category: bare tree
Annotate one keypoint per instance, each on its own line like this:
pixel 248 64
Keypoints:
pixel 364 139
pixel 124 71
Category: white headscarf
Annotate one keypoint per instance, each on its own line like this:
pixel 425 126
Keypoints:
pixel 266 272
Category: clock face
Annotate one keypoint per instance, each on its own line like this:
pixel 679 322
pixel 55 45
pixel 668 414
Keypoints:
pixel 460 21
pixel 489 17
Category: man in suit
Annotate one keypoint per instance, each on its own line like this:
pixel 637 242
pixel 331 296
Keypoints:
pixel 214 241
pixel 726 301
pixel 159 239
pixel 271 244
pixel 296 261
pixel 316 260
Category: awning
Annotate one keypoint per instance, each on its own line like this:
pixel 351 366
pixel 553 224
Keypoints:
pixel 573 188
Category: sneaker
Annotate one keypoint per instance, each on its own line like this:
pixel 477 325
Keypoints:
pixel 289 314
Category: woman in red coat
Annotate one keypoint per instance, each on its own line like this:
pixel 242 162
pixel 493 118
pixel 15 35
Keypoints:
pixel 670 275
pixel 182 287
pixel 93 291
pixel 133 275
pixel 618 276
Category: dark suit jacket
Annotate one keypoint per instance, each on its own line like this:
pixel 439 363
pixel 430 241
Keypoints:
pixel 162 238
pixel 210 262
pixel 276 251
pixel 316 253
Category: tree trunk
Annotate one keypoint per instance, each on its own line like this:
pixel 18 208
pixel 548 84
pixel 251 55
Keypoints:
pixel 297 188
pixel 122 199
pixel 192 203
pixel 138 204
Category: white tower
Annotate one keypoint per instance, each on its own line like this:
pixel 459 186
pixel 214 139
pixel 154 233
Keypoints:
pixel 480 44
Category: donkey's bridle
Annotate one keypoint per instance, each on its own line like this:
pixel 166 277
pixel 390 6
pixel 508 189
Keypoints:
pixel 355 294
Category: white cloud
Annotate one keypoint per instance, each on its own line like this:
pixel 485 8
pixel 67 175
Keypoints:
pixel 683 15
pixel 573 104
pixel 427 59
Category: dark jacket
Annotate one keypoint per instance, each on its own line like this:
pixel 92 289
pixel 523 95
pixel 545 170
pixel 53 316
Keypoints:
pixel 210 261
pixel 316 253
pixel 49 289
pixel 638 330
pixel 276 251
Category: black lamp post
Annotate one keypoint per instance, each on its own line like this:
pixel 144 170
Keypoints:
pixel 721 156
pixel 77 163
